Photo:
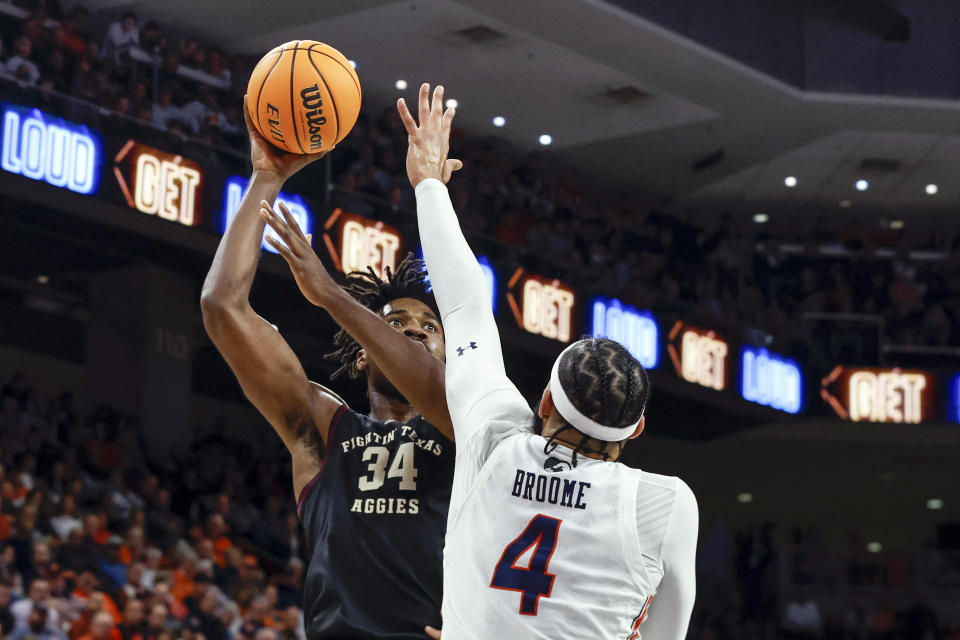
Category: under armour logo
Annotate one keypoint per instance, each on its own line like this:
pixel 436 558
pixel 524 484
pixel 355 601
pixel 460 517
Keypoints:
pixel 460 350
pixel 556 465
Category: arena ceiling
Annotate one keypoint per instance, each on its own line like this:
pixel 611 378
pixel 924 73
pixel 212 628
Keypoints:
pixel 547 65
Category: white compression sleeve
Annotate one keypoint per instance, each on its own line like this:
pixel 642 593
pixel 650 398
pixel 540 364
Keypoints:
pixel 671 607
pixel 477 385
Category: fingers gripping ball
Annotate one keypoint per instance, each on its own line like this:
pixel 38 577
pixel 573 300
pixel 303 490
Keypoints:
pixel 304 96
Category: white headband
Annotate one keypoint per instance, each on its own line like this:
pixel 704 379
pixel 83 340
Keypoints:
pixel 576 419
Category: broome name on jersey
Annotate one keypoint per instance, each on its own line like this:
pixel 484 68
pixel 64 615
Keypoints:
pixel 537 487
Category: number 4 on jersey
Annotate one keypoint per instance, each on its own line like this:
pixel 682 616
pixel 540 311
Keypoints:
pixel 532 581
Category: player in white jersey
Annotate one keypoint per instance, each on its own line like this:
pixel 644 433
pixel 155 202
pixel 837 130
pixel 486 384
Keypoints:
pixel 547 536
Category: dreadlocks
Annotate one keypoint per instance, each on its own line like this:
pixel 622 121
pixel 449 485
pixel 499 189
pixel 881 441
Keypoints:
pixel 409 280
pixel 605 383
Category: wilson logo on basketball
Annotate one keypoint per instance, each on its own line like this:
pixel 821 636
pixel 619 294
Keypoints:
pixel 313 106
pixel 273 119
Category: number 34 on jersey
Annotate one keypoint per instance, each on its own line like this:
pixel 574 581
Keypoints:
pixel 382 470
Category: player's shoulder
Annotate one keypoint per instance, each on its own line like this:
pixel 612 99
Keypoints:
pixel 673 485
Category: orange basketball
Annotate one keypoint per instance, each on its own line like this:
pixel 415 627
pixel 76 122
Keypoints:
pixel 304 96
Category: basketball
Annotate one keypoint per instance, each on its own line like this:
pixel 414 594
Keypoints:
pixel 304 96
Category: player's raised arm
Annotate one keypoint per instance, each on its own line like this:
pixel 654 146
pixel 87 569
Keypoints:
pixel 267 369
pixel 414 371
pixel 476 383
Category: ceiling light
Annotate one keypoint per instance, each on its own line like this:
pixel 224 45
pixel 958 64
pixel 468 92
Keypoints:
pixel 451 103
pixel 400 85
pixel 862 185
pixel 874 547
pixel 43 279
pixel 760 218
pixel 353 63
pixel 545 139
pixel 931 189
pixel 934 504
pixel 499 121
pixel 896 224
pixel 790 181
pixel 744 497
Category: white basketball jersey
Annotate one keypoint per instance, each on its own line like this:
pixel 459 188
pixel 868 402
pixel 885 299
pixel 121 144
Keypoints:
pixel 539 548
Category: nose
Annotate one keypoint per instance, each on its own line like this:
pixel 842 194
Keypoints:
pixel 415 334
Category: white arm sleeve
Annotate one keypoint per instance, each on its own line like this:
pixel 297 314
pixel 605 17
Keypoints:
pixel 477 386
pixel 670 609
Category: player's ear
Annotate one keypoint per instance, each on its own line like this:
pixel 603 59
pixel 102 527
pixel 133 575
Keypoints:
pixel 639 429
pixel 546 408
pixel 362 360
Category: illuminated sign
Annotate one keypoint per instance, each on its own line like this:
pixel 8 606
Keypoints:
pixel 547 306
pixel 770 379
pixel 357 244
pixel 233 194
pixel 490 277
pixel 634 329
pixel 954 394
pixel 165 185
pixel 702 356
pixel 879 395
pixel 50 149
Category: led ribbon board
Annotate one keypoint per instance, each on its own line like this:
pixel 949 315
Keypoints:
pixel 163 184
pixel 699 356
pixel 490 277
pixel 356 243
pixel 636 330
pixel 879 395
pixel 954 407
pixel 233 192
pixel 42 147
pixel 546 305
pixel 771 379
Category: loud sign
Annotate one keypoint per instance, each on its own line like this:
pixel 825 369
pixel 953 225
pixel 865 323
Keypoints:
pixel 50 149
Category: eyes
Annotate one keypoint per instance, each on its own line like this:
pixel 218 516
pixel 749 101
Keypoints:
pixel 426 326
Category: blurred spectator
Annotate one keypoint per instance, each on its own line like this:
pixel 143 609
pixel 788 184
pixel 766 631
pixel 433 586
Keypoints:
pixel 801 618
pixel 38 626
pixel 20 65
pixel 6 617
pixel 102 627
pixel 165 111
pixel 156 623
pixel 134 620
pixel 38 596
pixel 121 35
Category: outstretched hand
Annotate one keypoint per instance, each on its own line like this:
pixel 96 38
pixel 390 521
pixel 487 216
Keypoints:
pixel 312 277
pixel 266 158
pixel 429 141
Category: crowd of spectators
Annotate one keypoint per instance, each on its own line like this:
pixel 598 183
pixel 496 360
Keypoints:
pixel 100 542
pixel 768 582
pixel 197 91
pixel 681 263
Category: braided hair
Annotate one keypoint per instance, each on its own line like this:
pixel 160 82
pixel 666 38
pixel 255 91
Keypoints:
pixel 408 280
pixel 606 384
